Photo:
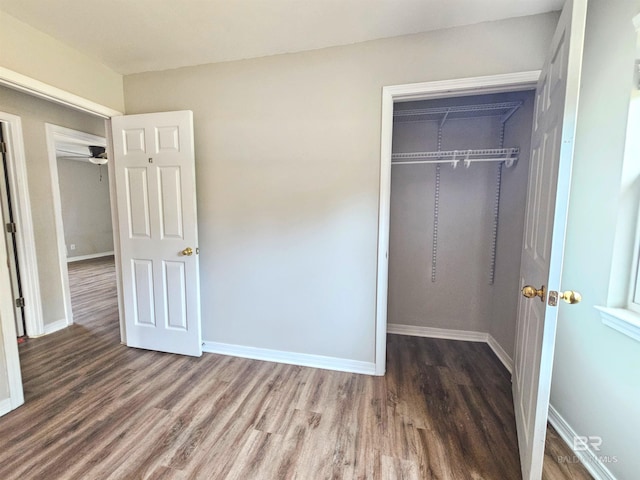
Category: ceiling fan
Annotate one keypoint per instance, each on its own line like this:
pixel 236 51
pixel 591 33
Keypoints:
pixel 85 153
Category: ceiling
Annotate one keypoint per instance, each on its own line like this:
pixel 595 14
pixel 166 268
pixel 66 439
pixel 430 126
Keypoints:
pixel 133 36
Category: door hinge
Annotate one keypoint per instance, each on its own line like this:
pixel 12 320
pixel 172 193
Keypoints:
pixel 3 147
pixel 11 227
pixel 20 302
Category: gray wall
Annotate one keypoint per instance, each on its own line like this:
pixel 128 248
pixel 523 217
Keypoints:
pixel 461 298
pixel 288 163
pixel 86 212
pixel 35 113
pixel 596 374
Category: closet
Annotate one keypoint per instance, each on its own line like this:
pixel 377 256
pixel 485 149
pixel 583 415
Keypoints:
pixel 458 191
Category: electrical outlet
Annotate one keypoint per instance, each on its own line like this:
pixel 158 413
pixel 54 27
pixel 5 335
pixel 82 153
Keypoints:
pixel 72 246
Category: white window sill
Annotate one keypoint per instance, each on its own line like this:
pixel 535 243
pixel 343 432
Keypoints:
pixel 622 320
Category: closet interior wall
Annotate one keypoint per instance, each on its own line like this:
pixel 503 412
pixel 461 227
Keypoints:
pixel 462 296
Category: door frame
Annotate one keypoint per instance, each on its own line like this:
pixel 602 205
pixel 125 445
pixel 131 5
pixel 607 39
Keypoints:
pixel 25 237
pixel 501 83
pixel 31 86
pixel 36 88
pixel 53 135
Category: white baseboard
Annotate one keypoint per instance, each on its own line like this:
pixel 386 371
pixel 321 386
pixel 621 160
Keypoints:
pixel 448 334
pixel 500 353
pixel 588 458
pixel 55 326
pixel 302 359
pixel 430 332
pixel 5 406
pixel 89 257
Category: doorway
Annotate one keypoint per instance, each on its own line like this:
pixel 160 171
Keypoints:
pixel 460 169
pixel 81 203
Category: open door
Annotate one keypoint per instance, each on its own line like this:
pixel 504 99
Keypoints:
pixel 552 145
pixel 6 213
pixel 154 168
pixel 11 392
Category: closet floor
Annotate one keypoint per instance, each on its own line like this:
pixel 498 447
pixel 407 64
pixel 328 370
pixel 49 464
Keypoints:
pixel 97 409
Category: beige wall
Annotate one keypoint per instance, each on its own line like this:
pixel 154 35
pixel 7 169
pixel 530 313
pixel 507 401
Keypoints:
pixel 288 160
pixel 35 113
pixel 461 298
pixel 596 380
pixel 86 212
pixel 32 53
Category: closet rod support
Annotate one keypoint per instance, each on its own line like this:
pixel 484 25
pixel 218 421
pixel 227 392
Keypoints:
pixel 509 114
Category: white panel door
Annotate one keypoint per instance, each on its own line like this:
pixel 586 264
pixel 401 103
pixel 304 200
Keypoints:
pixel 6 214
pixel 156 200
pixel 545 224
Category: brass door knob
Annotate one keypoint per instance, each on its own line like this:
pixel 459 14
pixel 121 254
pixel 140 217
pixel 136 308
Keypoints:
pixel 187 251
pixel 532 292
pixel 571 297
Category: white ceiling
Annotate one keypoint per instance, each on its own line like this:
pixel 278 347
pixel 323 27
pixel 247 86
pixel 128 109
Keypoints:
pixel 133 36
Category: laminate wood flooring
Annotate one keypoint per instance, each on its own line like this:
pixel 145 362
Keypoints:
pixel 96 409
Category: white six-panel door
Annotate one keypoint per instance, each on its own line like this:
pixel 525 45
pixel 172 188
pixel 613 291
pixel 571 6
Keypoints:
pixel 545 224
pixel 156 199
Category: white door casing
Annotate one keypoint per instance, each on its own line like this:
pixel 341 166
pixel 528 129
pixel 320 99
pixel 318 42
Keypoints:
pixel 552 145
pixel 154 168
pixel 25 236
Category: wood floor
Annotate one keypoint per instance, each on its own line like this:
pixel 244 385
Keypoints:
pixel 96 409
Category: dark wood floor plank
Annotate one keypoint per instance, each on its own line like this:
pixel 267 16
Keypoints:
pixel 96 409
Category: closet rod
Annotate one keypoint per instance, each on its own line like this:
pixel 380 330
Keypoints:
pixel 507 155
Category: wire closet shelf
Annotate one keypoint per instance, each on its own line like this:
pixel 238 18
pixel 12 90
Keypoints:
pixel 504 110
pixel 506 155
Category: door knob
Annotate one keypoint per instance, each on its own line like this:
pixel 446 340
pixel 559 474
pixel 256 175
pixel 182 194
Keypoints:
pixel 532 292
pixel 187 251
pixel 570 296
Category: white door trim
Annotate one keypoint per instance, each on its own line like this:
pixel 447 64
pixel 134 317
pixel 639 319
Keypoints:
pixel 25 238
pixel 31 86
pixel 115 226
pixel 420 91
pixel 54 134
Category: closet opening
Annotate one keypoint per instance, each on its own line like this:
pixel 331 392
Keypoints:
pixel 459 173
